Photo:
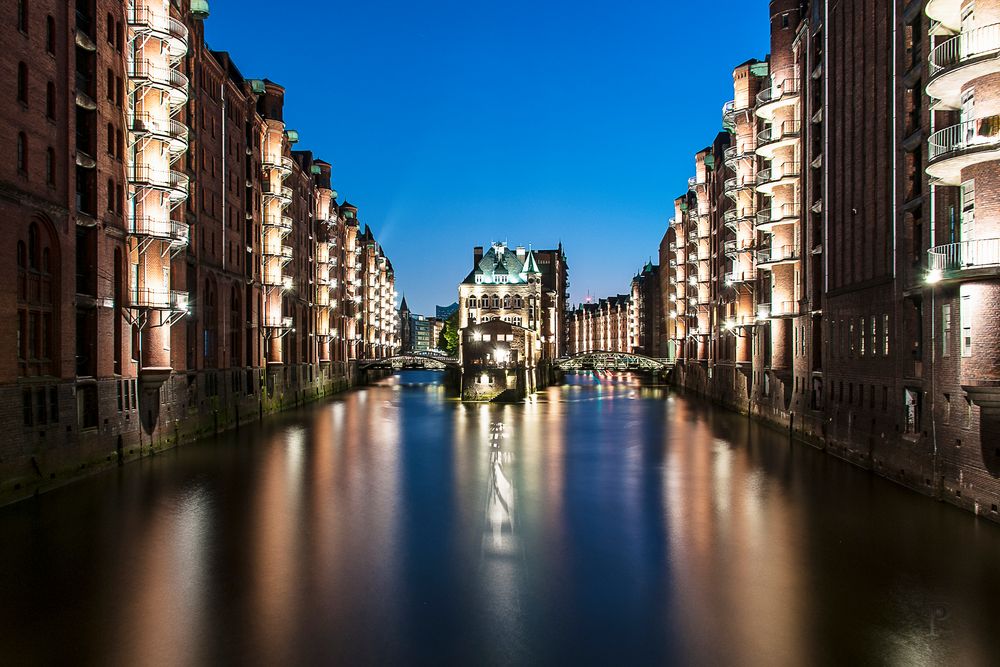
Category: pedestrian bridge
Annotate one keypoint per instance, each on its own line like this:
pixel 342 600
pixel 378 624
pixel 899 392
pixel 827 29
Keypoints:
pixel 612 361
pixel 426 360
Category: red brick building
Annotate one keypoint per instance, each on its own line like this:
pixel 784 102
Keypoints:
pixel 179 266
pixel 843 281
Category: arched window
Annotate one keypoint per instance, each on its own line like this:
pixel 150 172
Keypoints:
pixel 22 16
pixel 235 319
pixel 38 314
pixel 22 153
pixel 496 301
pixel 22 83
pixel 518 302
pixel 50 35
pixel 506 301
pixel 471 302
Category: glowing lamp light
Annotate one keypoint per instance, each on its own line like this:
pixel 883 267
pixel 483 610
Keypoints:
pixel 673 314
pixel 730 324
pixel 934 276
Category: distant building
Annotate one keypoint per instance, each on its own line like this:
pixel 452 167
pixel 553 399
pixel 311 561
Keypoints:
pixel 508 285
pixel 416 331
pixel 444 312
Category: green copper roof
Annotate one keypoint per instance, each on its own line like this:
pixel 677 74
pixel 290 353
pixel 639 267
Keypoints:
pixel 199 9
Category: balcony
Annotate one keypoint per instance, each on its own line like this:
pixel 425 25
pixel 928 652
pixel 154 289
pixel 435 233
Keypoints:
pixel 274 191
pixel 732 248
pixel 778 309
pixel 778 136
pixel 965 260
pixel 732 187
pixel 734 217
pixel 770 257
pixel 275 279
pixel 280 163
pixel 960 146
pixel 784 174
pixel 732 155
pixel 961 59
pixel 776 97
pixel 174 232
pixel 280 222
pixel 165 79
pixel 159 299
pixel 167 131
pixel 170 31
pixel 174 183
pixel 729 116
pixel 783 214
pixel 278 322
pixel 739 277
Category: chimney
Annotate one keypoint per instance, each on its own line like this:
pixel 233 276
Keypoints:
pixel 477 255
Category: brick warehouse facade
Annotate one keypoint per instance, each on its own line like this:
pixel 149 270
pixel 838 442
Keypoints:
pixel 180 266
pixel 833 265
pixel 623 323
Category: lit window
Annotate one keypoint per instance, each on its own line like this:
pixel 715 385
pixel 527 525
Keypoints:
pixel 946 330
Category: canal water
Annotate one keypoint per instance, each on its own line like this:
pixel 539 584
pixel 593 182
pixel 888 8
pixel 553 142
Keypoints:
pixel 602 522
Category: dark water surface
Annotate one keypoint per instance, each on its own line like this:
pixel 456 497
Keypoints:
pixel 603 522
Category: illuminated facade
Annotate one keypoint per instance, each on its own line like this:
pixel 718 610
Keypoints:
pixel 180 266
pixel 833 264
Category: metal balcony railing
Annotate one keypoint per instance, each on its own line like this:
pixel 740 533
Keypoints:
pixel 171 132
pixel 280 163
pixel 169 30
pixel 789 88
pixel 278 322
pixel 965 47
pixel 274 190
pixel 778 173
pixel 173 231
pixel 158 299
pixel 964 255
pixel 776 254
pixel 978 134
pixel 175 183
pixel 788 129
pixel 788 212
pixel 281 222
pixel 167 79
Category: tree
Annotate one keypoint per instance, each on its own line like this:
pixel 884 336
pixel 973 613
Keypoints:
pixel 448 340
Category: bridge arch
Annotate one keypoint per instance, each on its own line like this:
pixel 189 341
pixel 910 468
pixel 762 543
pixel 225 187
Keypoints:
pixel 612 361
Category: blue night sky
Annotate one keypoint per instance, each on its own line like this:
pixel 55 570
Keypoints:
pixel 454 123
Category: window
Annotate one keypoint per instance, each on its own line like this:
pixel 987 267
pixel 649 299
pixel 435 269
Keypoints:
pixel 22 16
pixel 37 315
pixel 111 139
pixel 885 335
pixel 50 35
pixel 968 224
pixel 966 319
pixel 111 196
pixel 946 330
pixel 22 153
pixel 111 85
pixel 22 83
pixel 50 100
pixel 111 29
pixel 863 333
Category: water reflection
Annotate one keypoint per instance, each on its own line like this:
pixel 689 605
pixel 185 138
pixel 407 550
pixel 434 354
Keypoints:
pixel 603 521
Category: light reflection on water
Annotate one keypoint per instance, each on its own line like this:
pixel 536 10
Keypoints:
pixel 602 521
